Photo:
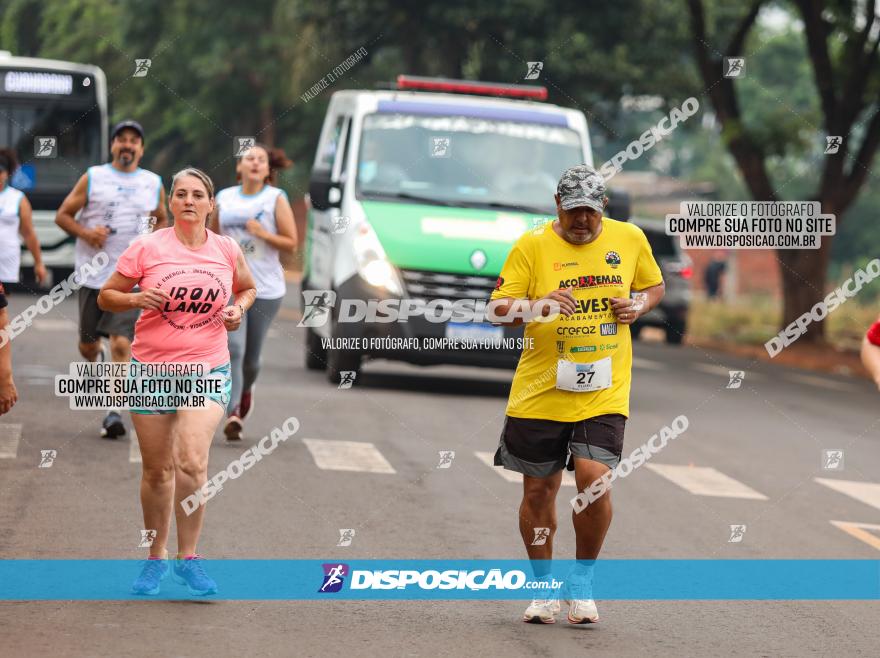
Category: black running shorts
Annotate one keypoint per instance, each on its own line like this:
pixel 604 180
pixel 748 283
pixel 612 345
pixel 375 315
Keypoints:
pixel 539 447
pixel 94 323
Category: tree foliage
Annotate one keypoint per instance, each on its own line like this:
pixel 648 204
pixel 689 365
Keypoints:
pixel 841 40
pixel 240 69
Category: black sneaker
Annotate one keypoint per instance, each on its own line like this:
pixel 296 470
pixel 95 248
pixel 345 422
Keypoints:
pixel 112 427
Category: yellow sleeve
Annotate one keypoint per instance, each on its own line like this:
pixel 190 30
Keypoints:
pixel 647 271
pixel 516 275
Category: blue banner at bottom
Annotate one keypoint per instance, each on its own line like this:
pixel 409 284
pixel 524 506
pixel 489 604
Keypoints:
pixel 354 579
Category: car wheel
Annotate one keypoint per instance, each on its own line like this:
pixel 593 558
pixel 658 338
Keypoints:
pixel 59 274
pixel 675 332
pixel 339 361
pixel 316 355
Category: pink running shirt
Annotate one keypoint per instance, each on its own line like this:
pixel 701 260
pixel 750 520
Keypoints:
pixel 188 328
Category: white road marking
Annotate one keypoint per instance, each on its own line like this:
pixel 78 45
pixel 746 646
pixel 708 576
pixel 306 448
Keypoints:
pixel 36 374
pixel 134 450
pixel 713 369
pixel 10 435
pixel 488 458
pixel 821 381
pixel 724 371
pixel 647 364
pixel 865 492
pixel 347 456
pixel 705 481
pixel 54 324
pixel 861 531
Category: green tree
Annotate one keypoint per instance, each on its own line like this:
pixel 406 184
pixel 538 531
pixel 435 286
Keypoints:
pixel 841 41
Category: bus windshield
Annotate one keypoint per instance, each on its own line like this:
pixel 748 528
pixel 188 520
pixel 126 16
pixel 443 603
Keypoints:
pixel 464 161
pixel 74 122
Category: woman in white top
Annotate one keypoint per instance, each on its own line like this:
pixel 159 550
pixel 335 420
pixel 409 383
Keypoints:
pixel 258 216
pixel 16 218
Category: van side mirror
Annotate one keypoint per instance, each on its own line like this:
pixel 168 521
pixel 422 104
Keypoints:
pixel 323 193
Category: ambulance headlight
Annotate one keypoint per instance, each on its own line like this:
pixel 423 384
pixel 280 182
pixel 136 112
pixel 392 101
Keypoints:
pixel 373 265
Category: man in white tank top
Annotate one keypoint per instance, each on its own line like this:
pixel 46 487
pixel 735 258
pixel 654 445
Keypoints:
pixel 109 207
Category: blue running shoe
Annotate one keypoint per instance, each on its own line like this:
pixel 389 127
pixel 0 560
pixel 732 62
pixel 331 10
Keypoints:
pixel 191 572
pixel 151 575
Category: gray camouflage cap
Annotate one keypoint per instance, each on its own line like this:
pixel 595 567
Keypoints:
pixel 581 185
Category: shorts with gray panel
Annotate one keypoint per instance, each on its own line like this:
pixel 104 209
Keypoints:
pixel 95 323
pixel 539 448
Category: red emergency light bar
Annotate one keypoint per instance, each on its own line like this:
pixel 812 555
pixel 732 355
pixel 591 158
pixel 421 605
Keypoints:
pixel 533 92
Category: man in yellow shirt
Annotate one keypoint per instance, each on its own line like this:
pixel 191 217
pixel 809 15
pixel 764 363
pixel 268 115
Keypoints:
pixel 570 395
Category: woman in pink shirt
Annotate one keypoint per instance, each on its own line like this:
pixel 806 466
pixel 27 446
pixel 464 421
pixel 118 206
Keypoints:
pixel 186 276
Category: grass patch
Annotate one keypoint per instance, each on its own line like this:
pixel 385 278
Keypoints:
pixel 754 320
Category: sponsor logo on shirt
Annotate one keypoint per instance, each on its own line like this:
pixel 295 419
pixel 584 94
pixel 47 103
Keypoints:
pixel 193 306
pixel 613 259
pixel 192 300
pixel 583 348
pixel 592 281
pixel 558 266
pixel 593 305
pixel 608 329
pixel 126 190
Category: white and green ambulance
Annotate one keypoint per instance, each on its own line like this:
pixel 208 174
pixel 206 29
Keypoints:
pixel 416 196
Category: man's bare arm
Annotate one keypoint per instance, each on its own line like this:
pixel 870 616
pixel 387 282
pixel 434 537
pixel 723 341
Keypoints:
pixel 161 213
pixel 66 215
pixel 512 311
pixel 655 296
pixel 72 204
pixel 629 309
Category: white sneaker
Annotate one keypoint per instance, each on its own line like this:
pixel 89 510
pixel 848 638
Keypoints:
pixel 542 611
pixel 582 611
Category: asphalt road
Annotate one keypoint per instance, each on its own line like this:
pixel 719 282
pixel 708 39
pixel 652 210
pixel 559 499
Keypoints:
pixel 767 437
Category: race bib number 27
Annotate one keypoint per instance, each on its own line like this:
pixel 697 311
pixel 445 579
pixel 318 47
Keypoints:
pixel 582 377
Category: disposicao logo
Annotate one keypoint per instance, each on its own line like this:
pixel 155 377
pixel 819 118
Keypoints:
pixel 334 576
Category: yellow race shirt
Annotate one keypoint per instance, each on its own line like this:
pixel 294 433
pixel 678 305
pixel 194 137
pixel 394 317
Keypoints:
pixel 614 264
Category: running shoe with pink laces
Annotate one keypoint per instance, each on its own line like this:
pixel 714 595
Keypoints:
pixel 190 571
pixel 579 596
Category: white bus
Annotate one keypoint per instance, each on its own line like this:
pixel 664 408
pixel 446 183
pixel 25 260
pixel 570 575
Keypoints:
pixel 64 101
